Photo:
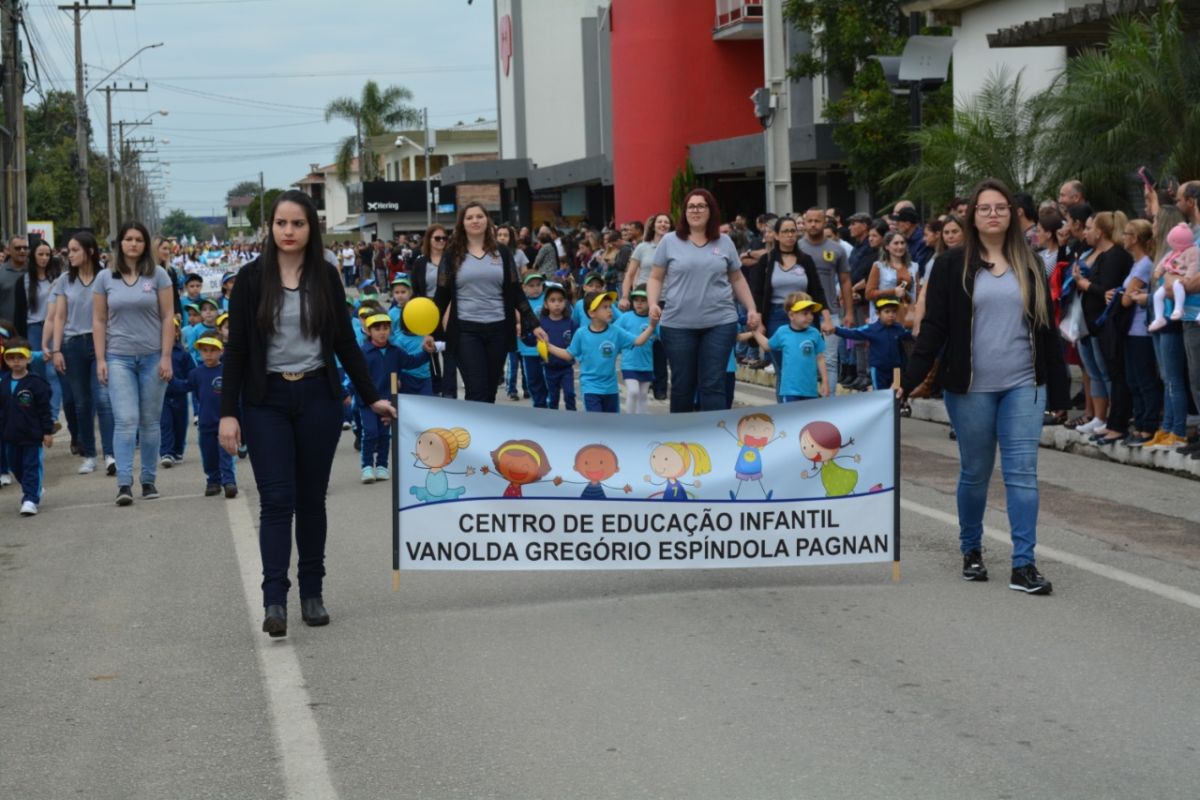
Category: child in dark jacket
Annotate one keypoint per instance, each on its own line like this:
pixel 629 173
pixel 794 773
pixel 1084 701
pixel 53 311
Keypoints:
pixel 25 423
pixel 383 358
pixel 884 336
pixel 560 327
pixel 174 420
pixel 205 383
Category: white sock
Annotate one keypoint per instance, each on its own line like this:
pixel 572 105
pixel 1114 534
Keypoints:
pixel 631 395
pixel 1180 298
pixel 1160 299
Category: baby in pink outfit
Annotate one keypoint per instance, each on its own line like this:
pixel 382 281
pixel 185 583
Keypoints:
pixel 1182 262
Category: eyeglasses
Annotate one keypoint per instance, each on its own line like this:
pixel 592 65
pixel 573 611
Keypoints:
pixel 21 248
pixel 697 207
pixel 993 211
pixel 437 238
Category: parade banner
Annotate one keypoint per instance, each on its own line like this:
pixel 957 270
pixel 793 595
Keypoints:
pixel 488 487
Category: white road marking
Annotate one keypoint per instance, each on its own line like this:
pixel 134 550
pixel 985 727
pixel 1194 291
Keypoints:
pixel 1079 562
pixel 302 756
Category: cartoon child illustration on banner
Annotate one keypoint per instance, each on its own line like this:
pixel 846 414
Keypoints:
pixel 671 461
pixel 597 463
pixel 436 449
pixel 820 442
pixel 754 432
pixel 521 462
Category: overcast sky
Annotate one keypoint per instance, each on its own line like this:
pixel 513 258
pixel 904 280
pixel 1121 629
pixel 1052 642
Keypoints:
pixel 246 81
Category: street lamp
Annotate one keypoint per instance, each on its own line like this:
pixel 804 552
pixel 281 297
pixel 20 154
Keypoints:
pixel 100 82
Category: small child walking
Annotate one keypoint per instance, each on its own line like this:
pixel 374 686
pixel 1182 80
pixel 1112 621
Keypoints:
pixel 383 358
pixel 883 336
pixel 173 424
pixel 637 365
pixel 560 328
pixel 801 370
pixel 205 385
pixel 25 423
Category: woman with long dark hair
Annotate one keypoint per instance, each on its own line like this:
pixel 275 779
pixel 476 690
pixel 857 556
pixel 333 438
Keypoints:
pixel 701 272
pixel 39 307
pixel 987 312
pixel 133 329
pixel 74 351
pixel 424 280
pixel 478 285
pixel 287 321
pixel 782 270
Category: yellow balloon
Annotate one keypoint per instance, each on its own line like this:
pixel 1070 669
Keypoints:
pixel 421 316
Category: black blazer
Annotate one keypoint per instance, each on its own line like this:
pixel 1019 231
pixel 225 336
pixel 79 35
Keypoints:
pixel 515 301
pixel 760 281
pixel 949 314
pixel 244 375
pixel 417 274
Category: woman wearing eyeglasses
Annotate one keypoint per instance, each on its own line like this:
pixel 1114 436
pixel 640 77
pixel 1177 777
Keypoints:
pixel 479 294
pixel 424 280
pixel 987 312
pixel 700 271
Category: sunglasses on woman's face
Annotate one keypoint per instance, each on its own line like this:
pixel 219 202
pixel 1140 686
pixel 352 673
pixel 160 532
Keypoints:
pixel 438 238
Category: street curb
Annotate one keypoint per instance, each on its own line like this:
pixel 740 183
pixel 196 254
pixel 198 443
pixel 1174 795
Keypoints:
pixel 1068 441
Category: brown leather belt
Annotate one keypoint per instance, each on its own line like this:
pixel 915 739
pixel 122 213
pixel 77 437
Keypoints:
pixel 292 377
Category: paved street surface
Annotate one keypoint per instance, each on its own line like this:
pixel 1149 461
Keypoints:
pixel 133 666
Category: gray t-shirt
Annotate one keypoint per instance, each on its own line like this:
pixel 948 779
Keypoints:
pixel 786 281
pixel 42 288
pixel 431 271
pixel 697 281
pixel 1001 353
pixel 644 255
pixel 480 289
pixel 520 259
pixel 135 325
pixel 289 350
pixel 78 296
pixel 831 262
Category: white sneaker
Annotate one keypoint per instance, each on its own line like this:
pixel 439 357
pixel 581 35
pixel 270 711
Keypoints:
pixel 1091 427
pixel 28 508
pixel 769 369
pixel 5 479
pixel 345 426
pixel 88 466
pixel 167 462
pixel 110 465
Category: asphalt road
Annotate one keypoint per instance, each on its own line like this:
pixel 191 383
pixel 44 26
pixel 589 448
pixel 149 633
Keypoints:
pixel 133 666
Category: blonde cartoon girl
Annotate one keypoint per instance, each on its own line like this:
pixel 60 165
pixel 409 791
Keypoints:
pixel 436 449
pixel 671 461
pixel 820 442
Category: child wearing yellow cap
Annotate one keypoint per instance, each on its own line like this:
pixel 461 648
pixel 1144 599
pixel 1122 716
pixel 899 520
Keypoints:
pixel 205 382
pixel 884 336
pixel 799 351
pixel 383 358
pixel 25 423
pixel 174 419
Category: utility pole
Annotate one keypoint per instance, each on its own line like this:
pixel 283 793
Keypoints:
pixel 262 210
pixel 428 190
pixel 112 184
pixel 778 149
pixel 81 122
pixel 16 212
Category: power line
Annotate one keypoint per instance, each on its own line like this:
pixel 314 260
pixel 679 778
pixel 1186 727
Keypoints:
pixel 329 74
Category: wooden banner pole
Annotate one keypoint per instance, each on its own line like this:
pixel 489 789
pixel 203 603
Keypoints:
pixel 896 479
pixel 395 487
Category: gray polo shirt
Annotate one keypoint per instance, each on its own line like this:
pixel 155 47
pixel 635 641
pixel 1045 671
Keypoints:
pixel 135 325
pixel 78 297
pixel 480 289
pixel 831 262
pixel 697 281
pixel 1001 352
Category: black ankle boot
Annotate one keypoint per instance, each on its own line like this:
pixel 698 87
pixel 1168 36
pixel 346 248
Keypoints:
pixel 275 621
pixel 313 612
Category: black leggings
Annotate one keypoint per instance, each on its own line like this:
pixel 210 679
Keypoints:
pixel 480 355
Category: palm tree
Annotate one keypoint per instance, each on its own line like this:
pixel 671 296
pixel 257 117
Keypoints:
pixel 374 113
pixel 1135 102
pixel 999 133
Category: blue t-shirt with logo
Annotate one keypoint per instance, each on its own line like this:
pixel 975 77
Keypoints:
pixel 536 304
pixel 799 350
pixel 597 356
pixel 640 358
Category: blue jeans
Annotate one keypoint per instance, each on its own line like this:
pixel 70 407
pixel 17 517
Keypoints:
pixel 834 348
pixel 1143 382
pixel 1191 350
pixel 173 426
pixel 45 370
pixel 1094 366
pixel 89 396
pixel 1013 418
pixel 1172 368
pixel 698 357
pixel 776 319
pixel 136 392
pixel 292 436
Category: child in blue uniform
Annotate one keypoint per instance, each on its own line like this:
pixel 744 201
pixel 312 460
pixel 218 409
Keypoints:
pixel 383 358
pixel 884 335
pixel 205 383
pixel 596 348
pixel 173 424
pixel 417 380
pixel 801 371
pixel 531 362
pixel 25 423
pixel 206 327
pixel 560 328
pixel 637 365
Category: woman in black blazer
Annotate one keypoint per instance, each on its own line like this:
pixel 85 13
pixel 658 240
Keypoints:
pixel 479 286
pixel 287 321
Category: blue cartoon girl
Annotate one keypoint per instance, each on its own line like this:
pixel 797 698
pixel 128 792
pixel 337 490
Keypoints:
pixel 671 461
pixel 754 432
pixel 436 449
pixel 820 442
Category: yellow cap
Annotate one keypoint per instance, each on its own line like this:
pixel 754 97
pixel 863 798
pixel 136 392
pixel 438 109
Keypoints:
pixel 376 319
pixel 886 301
pixel 209 341
pixel 600 297
pixel 221 318
pixel 18 351
pixel 800 305
pixel 365 310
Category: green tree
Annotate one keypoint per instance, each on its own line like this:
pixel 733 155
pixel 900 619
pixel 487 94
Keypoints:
pixel 51 177
pixel 254 212
pixel 178 223
pixel 1134 102
pixel 243 189
pixel 1000 132
pixel 375 112
pixel 867 117
pixel 684 181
